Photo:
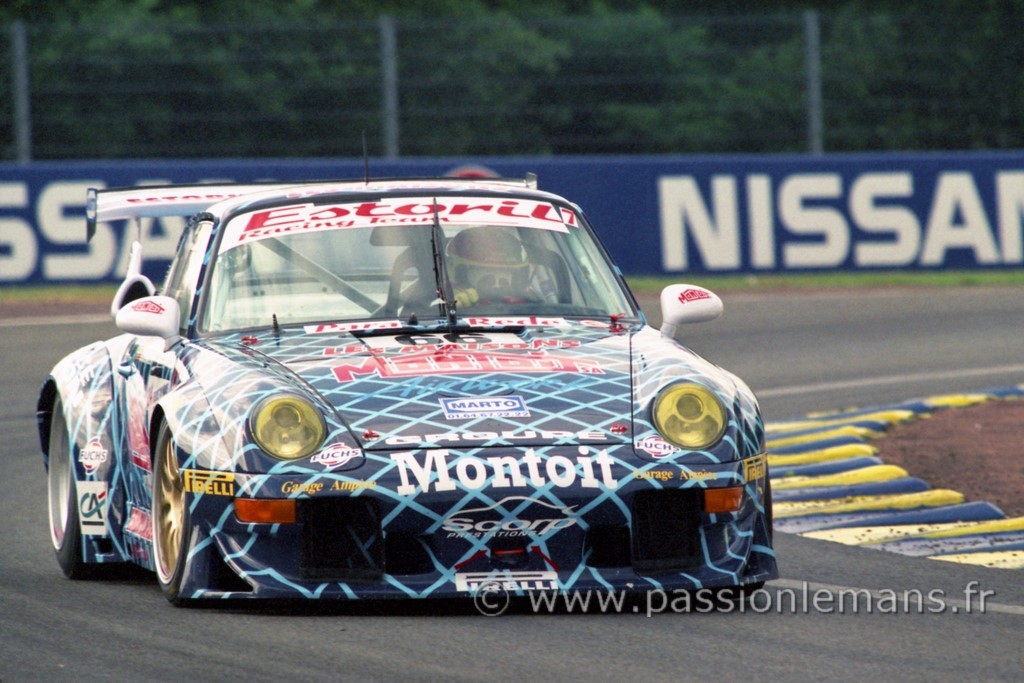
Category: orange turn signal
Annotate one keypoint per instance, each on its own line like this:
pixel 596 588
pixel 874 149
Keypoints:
pixel 723 499
pixel 265 510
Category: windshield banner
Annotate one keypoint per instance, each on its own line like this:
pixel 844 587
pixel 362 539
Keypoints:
pixel 307 218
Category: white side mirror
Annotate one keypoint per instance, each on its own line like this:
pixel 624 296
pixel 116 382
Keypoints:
pixel 135 284
pixel 687 304
pixel 151 316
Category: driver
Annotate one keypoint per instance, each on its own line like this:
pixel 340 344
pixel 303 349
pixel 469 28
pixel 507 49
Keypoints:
pixel 487 264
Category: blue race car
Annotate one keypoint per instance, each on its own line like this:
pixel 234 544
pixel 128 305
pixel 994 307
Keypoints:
pixel 398 389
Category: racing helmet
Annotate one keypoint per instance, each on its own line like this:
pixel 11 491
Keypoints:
pixel 489 259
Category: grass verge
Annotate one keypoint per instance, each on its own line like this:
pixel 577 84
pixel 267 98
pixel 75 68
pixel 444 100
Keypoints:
pixel 718 283
pixel 726 283
pixel 58 294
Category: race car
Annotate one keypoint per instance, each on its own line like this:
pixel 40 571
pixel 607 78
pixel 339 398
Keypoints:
pixel 417 388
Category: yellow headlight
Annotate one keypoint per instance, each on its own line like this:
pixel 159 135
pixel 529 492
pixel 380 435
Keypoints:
pixel 287 427
pixel 690 416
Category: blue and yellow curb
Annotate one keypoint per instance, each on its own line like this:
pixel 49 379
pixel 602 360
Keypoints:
pixel 828 483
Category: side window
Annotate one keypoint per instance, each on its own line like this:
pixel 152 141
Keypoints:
pixel 186 266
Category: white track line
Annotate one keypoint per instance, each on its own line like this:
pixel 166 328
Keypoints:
pixel 887 379
pixel 58 320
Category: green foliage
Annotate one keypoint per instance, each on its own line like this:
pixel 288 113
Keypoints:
pixel 475 78
pixel 220 78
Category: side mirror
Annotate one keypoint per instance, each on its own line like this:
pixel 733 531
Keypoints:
pixel 151 316
pixel 135 284
pixel 687 304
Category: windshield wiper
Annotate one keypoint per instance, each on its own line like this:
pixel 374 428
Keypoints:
pixel 444 283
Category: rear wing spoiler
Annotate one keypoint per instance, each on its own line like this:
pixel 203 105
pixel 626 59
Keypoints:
pixel 187 200
pixel 153 202
pixel 161 202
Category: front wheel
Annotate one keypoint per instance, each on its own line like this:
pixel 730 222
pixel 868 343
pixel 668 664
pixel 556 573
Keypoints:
pixel 65 532
pixel 171 520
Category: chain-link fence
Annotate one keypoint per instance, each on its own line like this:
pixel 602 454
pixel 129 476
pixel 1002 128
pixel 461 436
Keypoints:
pixel 637 84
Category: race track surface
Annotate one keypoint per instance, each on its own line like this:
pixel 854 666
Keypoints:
pixel 799 352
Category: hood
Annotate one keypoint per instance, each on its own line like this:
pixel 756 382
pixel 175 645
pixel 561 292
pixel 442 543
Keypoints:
pixel 530 385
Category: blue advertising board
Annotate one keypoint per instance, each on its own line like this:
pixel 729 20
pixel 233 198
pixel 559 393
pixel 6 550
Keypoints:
pixel 657 215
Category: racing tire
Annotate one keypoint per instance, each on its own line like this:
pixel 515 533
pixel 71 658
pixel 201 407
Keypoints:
pixel 171 518
pixel 62 497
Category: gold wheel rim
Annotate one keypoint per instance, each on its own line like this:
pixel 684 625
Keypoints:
pixel 170 513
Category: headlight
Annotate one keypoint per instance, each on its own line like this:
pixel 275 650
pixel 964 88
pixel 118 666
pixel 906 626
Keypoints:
pixel 690 416
pixel 287 427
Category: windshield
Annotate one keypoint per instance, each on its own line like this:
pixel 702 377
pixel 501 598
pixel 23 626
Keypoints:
pixel 401 258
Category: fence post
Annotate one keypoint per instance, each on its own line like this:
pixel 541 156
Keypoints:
pixel 389 86
pixel 20 93
pixel 812 57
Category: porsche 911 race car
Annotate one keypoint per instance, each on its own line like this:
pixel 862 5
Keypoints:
pixel 397 389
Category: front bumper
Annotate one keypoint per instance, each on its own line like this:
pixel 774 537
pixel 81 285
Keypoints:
pixel 444 523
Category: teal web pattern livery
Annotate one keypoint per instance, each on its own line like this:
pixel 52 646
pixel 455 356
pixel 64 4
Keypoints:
pixel 422 471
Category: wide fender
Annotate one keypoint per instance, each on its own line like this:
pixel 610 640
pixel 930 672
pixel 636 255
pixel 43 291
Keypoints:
pixel 209 413
pixel 204 437
pixel 84 382
pixel 657 362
